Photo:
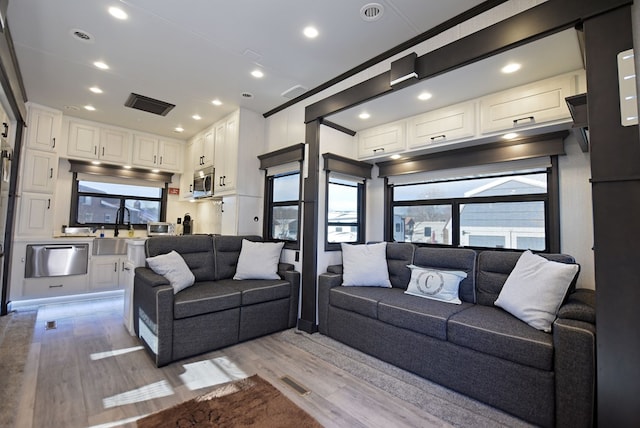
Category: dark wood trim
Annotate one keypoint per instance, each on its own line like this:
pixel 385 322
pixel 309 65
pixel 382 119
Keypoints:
pixel 498 151
pixel 118 171
pixel 10 76
pixel 475 11
pixel 289 154
pixel 553 207
pixel 343 165
pixel 338 127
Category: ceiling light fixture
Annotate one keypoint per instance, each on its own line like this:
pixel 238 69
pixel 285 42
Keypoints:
pixel 95 162
pixel 101 65
pixel 216 102
pixel 364 115
pixel 424 96
pixel 118 13
pixel 89 107
pixel 196 117
pixel 510 68
pixel 179 129
pixel 396 156
pixel 155 170
pixel 257 74
pixel 126 166
pixel 510 136
pixel 310 32
pixel 95 90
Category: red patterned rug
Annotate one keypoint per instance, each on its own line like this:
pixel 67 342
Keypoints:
pixel 251 402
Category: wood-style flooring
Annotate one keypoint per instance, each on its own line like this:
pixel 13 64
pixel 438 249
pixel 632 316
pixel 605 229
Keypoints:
pixel 89 371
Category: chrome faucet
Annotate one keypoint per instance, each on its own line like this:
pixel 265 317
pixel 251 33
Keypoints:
pixel 115 229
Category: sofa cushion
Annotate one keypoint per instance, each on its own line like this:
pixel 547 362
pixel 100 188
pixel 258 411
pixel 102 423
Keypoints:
pixel 362 300
pixel 435 284
pixel 462 259
pixel 498 333
pixel 258 260
pixel 196 250
pixel 365 265
pixel 173 267
pixel 203 298
pixel 227 251
pixel 258 290
pixel 399 255
pixel 414 313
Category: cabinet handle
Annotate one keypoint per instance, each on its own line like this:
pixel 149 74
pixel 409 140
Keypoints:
pixel 439 136
pixel 49 203
pixel 54 143
pixel 56 286
pixel 220 181
pixel 51 173
pixel 154 159
pixel 190 188
pixel 528 118
pixel 95 150
pixel 381 149
pixel 123 266
pixel 160 160
pixel 5 133
pixel 103 151
pixel 115 267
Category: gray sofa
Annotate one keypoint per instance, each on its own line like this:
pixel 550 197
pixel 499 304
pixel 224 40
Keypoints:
pixel 474 348
pixel 216 311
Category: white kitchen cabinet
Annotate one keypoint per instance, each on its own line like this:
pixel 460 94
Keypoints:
pixel 115 146
pixel 107 272
pixel 40 171
pixel 203 150
pixel 36 215
pixel 54 286
pixel 83 141
pixel 226 155
pixel 527 106
pixel 382 140
pixel 442 126
pixel 153 152
pixel 43 128
pixel 91 142
pixel 186 179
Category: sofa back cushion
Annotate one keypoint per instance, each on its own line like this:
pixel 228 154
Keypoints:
pixel 454 259
pixel 196 250
pixel 495 266
pixel 399 255
pixel 227 251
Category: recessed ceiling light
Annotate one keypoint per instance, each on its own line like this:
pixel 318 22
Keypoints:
pixel 127 166
pixel 216 102
pixel 179 129
pixel 310 32
pixel 95 162
pixel 101 65
pixel 511 68
pixel 95 90
pixel 155 170
pixel 257 74
pixel 196 117
pixel 510 136
pixel 118 13
pixel 424 96
pixel 90 108
pixel 395 157
pixel 364 115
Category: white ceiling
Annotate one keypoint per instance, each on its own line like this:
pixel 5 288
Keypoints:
pixel 190 52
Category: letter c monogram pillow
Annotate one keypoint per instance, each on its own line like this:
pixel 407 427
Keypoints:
pixel 441 285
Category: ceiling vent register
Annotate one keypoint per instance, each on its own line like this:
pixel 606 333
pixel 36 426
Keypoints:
pixel 150 105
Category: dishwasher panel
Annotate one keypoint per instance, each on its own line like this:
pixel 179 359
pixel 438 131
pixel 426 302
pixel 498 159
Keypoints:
pixel 56 260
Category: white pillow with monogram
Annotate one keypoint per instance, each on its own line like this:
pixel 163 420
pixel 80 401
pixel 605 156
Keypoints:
pixel 435 284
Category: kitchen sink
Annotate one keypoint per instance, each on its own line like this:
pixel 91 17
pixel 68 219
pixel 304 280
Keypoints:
pixel 109 246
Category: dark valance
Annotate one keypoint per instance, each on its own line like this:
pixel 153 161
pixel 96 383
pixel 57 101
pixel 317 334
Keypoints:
pixel 289 154
pixel 118 171
pixel 342 165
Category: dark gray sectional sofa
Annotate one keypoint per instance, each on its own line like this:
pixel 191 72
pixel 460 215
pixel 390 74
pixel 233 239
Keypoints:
pixel 474 348
pixel 216 311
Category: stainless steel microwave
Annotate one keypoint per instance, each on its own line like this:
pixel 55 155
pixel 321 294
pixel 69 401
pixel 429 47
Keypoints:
pixel 203 183
pixel 159 228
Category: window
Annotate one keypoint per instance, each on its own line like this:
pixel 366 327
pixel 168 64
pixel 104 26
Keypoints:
pixel 104 202
pixel 283 214
pixel 344 202
pixel 505 211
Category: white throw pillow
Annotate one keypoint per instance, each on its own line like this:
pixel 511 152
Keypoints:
pixel 441 285
pixel 535 289
pixel 365 265
pixel 258 260
pixel 173 267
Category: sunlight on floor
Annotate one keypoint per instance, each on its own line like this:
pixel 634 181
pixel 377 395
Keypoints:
pixel 114 353
pixel 147 392
pixel 211 372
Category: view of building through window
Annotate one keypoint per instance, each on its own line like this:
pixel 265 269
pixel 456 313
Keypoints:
pixel 342 210
pixel 285 206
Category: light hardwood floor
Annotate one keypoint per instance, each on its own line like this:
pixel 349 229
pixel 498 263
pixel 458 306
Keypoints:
pixel 89 372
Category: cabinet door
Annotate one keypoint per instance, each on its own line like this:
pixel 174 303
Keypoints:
pixel 208 148
pixel 381 140
pixel 83 141
pixel 170 155
pixel 40 171
pixel 526 106
pixel 36 215
pixel 442 126
pixel 226 155
pixel 186 179
pixel 105 272
pixel 145 151
pixel 197 152
pixel 43 129
pixel 115 146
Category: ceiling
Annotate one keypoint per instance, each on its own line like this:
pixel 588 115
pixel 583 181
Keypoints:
pixel 191 52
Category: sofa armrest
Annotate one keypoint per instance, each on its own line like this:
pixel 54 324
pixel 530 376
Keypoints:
pixel 580 306
pixel 326 281
pixel 153 313
pixel 293 277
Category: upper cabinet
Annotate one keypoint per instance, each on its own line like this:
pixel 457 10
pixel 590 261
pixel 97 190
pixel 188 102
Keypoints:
pixel 153 152
pixel 87 141
pixel 442 126
pixel 226 149
pixel 527 106
pixel 382 140
pixel 43 128
pixel 203 149
pixel 40 171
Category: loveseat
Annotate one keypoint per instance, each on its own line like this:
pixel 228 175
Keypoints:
pixel 475 348
pixel 217 310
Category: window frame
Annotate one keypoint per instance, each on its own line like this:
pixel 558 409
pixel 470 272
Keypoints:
pixel 75 204
pixel 270 205
pixel 361 211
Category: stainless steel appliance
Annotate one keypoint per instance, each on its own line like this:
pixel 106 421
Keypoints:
pixel 46 260
pixel 203 183
pixel 155 228
pixel 187 224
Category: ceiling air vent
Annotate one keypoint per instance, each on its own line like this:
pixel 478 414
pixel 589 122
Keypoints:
pixel 371 12
pixel 294 92
pixel 150 105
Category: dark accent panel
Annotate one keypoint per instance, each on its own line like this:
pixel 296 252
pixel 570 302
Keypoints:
pixel 307 321
pixel 403 70
pixel 338 127
pixel 10 76
pixel 347 166
pixel 477 10
pixel 499 151
pixel 578 108
pixel 553 205
pixel 118 171
pixel 293 153
pixel 615 167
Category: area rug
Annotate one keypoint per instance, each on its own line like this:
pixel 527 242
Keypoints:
pixel 251 402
